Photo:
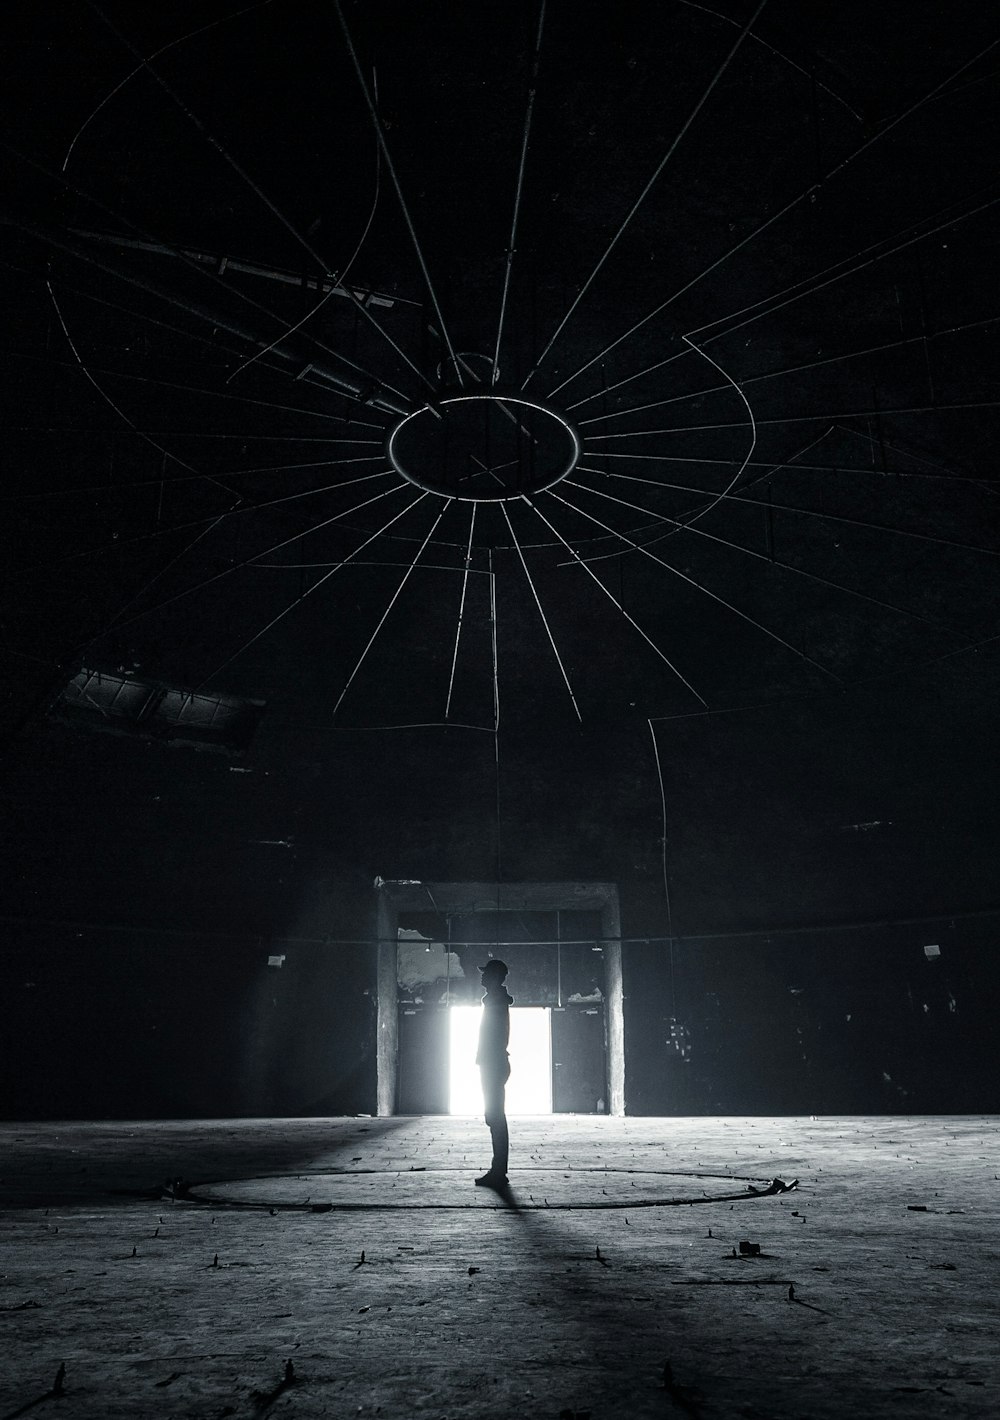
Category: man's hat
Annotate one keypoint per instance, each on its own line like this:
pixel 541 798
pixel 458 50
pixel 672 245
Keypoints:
pixel 495 967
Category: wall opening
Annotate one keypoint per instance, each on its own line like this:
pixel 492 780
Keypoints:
pixel 562 942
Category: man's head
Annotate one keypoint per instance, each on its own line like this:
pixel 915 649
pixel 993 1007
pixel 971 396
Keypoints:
pixel 494 973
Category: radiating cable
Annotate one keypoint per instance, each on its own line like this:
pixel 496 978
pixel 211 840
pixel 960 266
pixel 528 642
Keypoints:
pixel 790 370
pixel 200 389
pixel 461 610
pixel 810 191
pixel 133 484
pixel 739 497
pixel 493 639
pixel 341 277
pixel 117 408
pixel 242 507
pixel 249 561
pixel 611 597
pixel 307 246
pixel 541 612
pixel 637 547
pixel 192 34
pixel 512 242
pixel 642 196
pixel 309 591
pixel 395 597
pixel 793 419
pixel 218 323
pixel 380 135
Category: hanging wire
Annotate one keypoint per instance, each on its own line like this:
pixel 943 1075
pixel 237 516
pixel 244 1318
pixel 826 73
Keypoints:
pixel 636 547
pixel 740 497
pixel 793 419
pixel 512 242
pixel 218 323
pixel 341 278
pixel 380 135
pixel 309 591
pixel 806 193
pixel 240 507
pixel 541 612
pixel 461 610
pixel 610 595
pixel 120 412
pixel 643 195
pixel 395 596
pixel 249 561
pixel 227 157
pixel 790 370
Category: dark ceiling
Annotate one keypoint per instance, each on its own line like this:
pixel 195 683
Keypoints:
pixel 753 268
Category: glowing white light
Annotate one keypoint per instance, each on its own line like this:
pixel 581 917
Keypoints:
pixel 529 1089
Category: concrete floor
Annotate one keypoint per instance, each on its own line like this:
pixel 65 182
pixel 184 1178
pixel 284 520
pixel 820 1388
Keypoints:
pixel 360 1251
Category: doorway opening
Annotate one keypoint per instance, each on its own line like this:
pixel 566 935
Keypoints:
pixel 529 1089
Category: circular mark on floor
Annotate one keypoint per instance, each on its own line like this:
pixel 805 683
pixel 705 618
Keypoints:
pixel 453 1189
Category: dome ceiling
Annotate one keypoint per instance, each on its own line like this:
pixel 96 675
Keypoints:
pixel 440 362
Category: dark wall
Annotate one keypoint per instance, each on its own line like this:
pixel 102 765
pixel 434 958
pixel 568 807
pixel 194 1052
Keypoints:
pixel 145 886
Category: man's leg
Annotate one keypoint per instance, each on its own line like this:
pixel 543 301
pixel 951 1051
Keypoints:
pixel 496 1118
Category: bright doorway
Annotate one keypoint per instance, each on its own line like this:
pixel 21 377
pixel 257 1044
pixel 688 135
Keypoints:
pixel 529 1089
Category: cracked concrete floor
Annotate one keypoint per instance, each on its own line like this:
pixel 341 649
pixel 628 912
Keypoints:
pixel 359 1251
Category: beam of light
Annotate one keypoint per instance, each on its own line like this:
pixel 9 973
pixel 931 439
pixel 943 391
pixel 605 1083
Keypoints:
pixel 240 507
pixel 380 135
pixel 511 244
pixel 641 198
pixel 751 552
pixel 248 561
pixel 611 597
pixel 308 592
pixel 529 1089
pixel 246 178
pixel 461 611
pixel 395 597
pixel 637 547
pixel 808 192
pixel 541 612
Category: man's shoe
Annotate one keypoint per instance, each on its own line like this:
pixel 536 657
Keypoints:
pixel 492 1180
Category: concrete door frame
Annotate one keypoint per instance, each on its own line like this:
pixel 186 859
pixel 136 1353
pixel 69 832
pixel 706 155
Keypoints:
pixel 404 895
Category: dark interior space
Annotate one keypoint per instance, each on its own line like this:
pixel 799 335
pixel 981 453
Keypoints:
pixel 500 444
pixel 499 485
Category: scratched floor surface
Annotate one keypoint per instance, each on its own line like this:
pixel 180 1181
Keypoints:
pixel 350 1267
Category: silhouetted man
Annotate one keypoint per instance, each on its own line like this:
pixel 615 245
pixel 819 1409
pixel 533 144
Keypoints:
pixel 494 1066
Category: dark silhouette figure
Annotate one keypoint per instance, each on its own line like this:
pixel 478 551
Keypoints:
pixel 494 1067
